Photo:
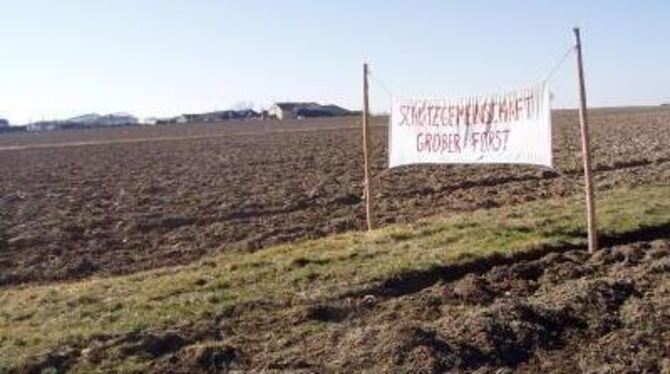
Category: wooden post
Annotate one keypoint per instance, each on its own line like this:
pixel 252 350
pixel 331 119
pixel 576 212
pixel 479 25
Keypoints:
pixel 586 149
pixel 366 152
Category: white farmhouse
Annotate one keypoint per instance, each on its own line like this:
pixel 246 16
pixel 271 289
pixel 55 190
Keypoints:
pixel 43 126
pixel 284 111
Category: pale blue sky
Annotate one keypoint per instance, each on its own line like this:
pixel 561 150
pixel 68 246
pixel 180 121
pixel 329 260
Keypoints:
pixel 165 57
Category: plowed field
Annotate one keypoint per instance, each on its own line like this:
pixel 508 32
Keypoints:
pixel 78 203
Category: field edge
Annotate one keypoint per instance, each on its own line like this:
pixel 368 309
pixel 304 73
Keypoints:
pixel 38 320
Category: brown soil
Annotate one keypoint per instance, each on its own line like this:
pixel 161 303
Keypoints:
pixel 562 311
pixel 78 203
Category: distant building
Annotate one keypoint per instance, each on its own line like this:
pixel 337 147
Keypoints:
pixel 184 118
pixel 108 120
pixel 219 116
pixel 244 114
pixel 323 111
pixel 44 126
pixel 87 121
pixel 151 121
pixel 4 125
pixel 284 111
pixel 165 120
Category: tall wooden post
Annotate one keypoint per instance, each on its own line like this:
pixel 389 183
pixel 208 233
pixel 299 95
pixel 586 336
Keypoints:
pixel 586 149
pixel 366 152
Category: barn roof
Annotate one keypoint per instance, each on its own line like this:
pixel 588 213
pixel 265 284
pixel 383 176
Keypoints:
pixel 291 106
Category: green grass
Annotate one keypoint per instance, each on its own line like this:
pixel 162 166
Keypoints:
pixel 36 319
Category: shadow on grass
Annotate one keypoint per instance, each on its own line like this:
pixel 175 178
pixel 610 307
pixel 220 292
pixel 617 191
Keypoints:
pixel 412 281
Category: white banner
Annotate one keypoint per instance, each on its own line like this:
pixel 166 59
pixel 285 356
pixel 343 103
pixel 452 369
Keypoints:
pixel 513 127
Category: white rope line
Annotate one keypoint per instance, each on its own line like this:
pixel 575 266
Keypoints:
pixel 574 183
pixel 560 63
pixel 381 84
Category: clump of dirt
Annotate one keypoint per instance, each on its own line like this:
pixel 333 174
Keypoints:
pixel 323 313
pixel 593 302
pixel 627 351
pixel 411 348
pixel 472 289
pixel 59 361
pixel 566 266
pixel 509 332
pixel 406 347
pixel 347 198
pixel 154 344
pixel 82 268
pixel 209 357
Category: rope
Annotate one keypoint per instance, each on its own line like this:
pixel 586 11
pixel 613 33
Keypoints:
pixel 560 63
pixel 572 182
pixel 381 84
